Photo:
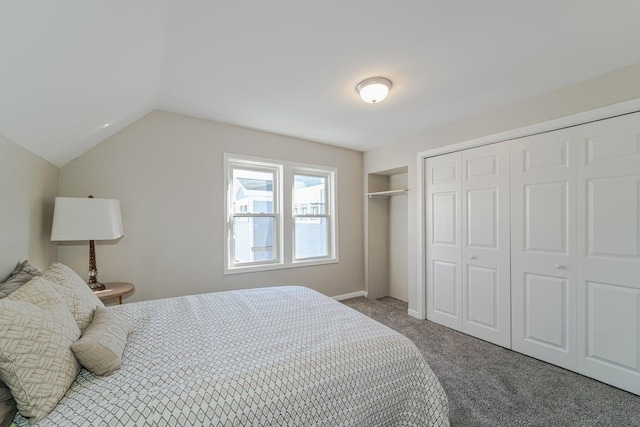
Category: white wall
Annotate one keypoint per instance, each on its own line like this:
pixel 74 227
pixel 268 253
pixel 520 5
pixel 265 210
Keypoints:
pixel 28 187
pixel 611 88
pixel 167 171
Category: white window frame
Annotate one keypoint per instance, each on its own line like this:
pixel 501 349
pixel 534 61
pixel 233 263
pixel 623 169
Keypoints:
pixel 329 176
pixel 276 170
pixel 284 216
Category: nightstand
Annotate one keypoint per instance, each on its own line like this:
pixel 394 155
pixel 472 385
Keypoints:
pixel 115 290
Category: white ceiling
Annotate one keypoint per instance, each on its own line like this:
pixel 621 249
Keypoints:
pixel 69 67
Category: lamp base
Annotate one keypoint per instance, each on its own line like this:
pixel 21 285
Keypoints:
pixel 93 271
pixel 96 286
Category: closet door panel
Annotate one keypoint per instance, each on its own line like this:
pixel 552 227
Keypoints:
pixel 543 259
pixel 482 218
pixel 443 239
pixel 482 293
pixel 545 310
pixel 485 247
pixel 545 218
pixel 445 294
pixel 609 251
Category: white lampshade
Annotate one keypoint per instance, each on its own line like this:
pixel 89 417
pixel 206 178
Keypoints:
pixel 374 90
pixel 86 219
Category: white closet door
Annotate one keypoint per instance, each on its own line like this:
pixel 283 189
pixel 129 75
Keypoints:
pixel 443 270
pixel 543 235
pixel 609 251
pixel 485 244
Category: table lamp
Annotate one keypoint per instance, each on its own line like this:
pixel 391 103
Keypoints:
pixel 77 219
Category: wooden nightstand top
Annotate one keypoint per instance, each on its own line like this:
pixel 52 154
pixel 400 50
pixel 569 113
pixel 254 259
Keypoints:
pixel 115 290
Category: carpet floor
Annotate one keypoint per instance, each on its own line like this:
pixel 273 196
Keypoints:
pixel 488 385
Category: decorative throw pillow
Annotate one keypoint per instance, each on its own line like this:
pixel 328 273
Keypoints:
pixel 79 297
pixel 20 275
pixel 36 360
pixel 8 407
pixel 101 346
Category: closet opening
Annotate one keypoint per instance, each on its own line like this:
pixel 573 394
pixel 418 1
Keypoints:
pixel 387 231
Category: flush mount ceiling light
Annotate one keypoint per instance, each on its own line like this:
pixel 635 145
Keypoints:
pixel 374 90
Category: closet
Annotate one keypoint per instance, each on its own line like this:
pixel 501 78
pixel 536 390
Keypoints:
pixel 534 244
pixel 387 234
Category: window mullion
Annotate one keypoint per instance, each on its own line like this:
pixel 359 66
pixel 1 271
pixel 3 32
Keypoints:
pixel 287 211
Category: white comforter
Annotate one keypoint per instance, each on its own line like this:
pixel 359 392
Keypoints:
pixel 274 356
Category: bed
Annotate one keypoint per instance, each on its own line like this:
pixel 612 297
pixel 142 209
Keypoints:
pixel 271 356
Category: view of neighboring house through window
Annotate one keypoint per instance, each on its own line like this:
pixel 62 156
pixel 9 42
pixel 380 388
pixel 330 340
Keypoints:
pixel 311 231
pixel 261 233
pixel 254 216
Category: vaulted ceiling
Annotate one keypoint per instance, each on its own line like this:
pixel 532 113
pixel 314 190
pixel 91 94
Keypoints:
pixel 72 73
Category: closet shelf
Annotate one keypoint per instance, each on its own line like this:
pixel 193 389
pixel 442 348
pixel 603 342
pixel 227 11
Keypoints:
pixel 386 194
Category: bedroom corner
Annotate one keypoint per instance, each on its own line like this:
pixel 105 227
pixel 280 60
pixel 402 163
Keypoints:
pixel 28 185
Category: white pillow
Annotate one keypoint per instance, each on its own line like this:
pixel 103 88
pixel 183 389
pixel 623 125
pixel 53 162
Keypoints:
pixel 80 299
pixel 100 348
pixel 36 361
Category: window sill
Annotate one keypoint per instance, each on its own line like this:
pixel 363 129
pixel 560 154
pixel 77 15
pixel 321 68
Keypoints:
pixel 269 267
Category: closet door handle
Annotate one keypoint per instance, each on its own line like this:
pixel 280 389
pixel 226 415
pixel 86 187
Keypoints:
pixel 560 266
pixel 472 257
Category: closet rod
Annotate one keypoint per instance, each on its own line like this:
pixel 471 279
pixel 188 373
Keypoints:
pixel 386 194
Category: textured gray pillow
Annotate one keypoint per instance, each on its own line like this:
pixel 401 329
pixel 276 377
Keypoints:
pixel 100 348
pixel 20 275
pixel 82 301
pixel 8 406
pixel 36 361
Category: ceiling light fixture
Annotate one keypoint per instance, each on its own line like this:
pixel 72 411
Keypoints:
pixel 374 90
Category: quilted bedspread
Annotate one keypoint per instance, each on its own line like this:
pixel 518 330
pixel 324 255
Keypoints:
pixel 273 356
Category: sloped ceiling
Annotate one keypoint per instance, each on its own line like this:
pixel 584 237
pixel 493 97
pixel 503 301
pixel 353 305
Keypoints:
pixel 72 73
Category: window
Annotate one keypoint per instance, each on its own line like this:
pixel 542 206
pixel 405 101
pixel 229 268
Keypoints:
pixel 254 215
pixel 311 221
pixel 279 214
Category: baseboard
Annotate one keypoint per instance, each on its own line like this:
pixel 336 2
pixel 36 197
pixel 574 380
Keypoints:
pixel 414 313
pixel 351 295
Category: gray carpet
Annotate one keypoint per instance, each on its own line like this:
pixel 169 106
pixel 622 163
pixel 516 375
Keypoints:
pixel 488 385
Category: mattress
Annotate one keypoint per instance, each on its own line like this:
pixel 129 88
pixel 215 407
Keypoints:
pixel 270 356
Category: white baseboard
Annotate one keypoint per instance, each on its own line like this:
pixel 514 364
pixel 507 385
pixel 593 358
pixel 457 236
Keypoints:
pixel 414 313
pixel 351 295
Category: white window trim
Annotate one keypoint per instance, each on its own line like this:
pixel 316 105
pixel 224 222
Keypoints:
pixel 284 227
pixel 329 175
pixel 277 171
